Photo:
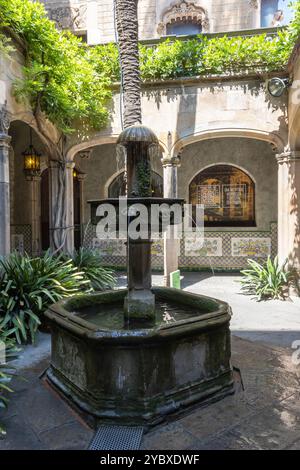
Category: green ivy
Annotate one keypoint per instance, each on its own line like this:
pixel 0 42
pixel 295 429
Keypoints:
pixel 72 81
pixel 59 72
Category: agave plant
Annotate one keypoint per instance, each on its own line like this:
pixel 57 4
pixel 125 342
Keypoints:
pixel 89 262
pixel 28 286
pixel 10 351
pixel 266 281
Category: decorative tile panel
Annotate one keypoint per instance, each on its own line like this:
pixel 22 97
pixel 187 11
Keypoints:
pixel 251 247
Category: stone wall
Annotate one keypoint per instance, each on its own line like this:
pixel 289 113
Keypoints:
pixel 96 17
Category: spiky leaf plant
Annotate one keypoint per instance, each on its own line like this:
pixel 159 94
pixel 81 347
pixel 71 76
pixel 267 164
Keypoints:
pixel 8 352
pixel 266 281
pixel 89 262
pixel 29 285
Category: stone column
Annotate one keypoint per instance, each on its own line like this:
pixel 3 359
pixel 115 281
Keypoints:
pixel 171 245
pixel 289 208
pixel 35 199
pixel 61 206
pixel 81 177
pixel 4 182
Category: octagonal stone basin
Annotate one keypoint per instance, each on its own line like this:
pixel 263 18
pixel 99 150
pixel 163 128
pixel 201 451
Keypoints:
pixel 140 374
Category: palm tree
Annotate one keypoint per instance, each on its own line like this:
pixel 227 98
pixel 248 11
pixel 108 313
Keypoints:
pixel 127 28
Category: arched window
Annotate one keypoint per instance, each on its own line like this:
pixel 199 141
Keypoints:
pixel 275 13
pixel 118 186
pixel 182 28
pixel 184 18
pixel 227 194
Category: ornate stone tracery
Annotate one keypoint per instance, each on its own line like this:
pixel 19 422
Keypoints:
pixel 186 11
pixel 4 118
pixel 73 18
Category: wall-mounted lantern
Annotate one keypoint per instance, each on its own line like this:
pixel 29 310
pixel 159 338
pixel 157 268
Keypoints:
pixel 32 160
pixel 277 86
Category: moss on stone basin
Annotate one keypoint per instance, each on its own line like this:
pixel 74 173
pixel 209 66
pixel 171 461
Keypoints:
pixel 139 375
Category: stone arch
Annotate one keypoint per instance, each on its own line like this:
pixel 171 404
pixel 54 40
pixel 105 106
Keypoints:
pixel 114 176
pixel 101 140
pixel 273 139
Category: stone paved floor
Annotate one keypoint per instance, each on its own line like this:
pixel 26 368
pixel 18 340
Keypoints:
pixel 264 416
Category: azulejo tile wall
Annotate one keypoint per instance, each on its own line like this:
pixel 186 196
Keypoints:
pixel 21 238
pixel 220 250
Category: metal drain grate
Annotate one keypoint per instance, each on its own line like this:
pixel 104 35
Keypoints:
pixel 117 438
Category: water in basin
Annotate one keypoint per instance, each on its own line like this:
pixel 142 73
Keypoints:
pixel 112 316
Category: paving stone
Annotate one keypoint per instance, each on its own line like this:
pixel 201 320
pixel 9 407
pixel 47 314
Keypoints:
pixel 19 435
pixel 43 409
pixel 205 423
pixel 170 437
pixel 232 441
pixel 28 378
pixel 294 446
pixel 71 436
pixel 273 429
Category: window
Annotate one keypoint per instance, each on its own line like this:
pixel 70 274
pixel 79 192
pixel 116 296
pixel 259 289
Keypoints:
pixel 275 13
pixel 182 28
pixel 185 17
pixel 228 196
pixel 118 186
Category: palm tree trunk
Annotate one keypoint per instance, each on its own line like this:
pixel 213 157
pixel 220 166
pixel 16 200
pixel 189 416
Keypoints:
pixel 127 28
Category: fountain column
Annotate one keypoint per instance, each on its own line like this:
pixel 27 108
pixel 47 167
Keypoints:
pixel 171 244
pixel 140 302
pixel 4 182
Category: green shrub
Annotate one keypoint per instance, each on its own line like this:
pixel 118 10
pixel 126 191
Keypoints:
pixel 266 281
pixel 89 263
pixel 6 370
pixel 29 285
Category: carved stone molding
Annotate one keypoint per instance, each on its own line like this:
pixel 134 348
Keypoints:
pixel 4 118
pixel 85 154
pixel 184 10
pixel 253 4
pixel 68 17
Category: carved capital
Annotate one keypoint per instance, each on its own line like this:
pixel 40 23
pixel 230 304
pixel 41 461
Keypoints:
pixel 81 176
pixel 69 164
pixel 171 161
pixel 288 157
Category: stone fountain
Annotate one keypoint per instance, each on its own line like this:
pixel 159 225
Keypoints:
pixel 134 356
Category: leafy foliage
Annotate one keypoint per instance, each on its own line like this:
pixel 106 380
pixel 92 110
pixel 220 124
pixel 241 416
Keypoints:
pixel 89 263
pixel 6 370
pixel 266 281
pixel 59 73
pixel 29 285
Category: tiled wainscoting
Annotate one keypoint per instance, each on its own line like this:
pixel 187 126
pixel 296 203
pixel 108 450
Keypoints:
pixel 21 239
pixel 220 250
